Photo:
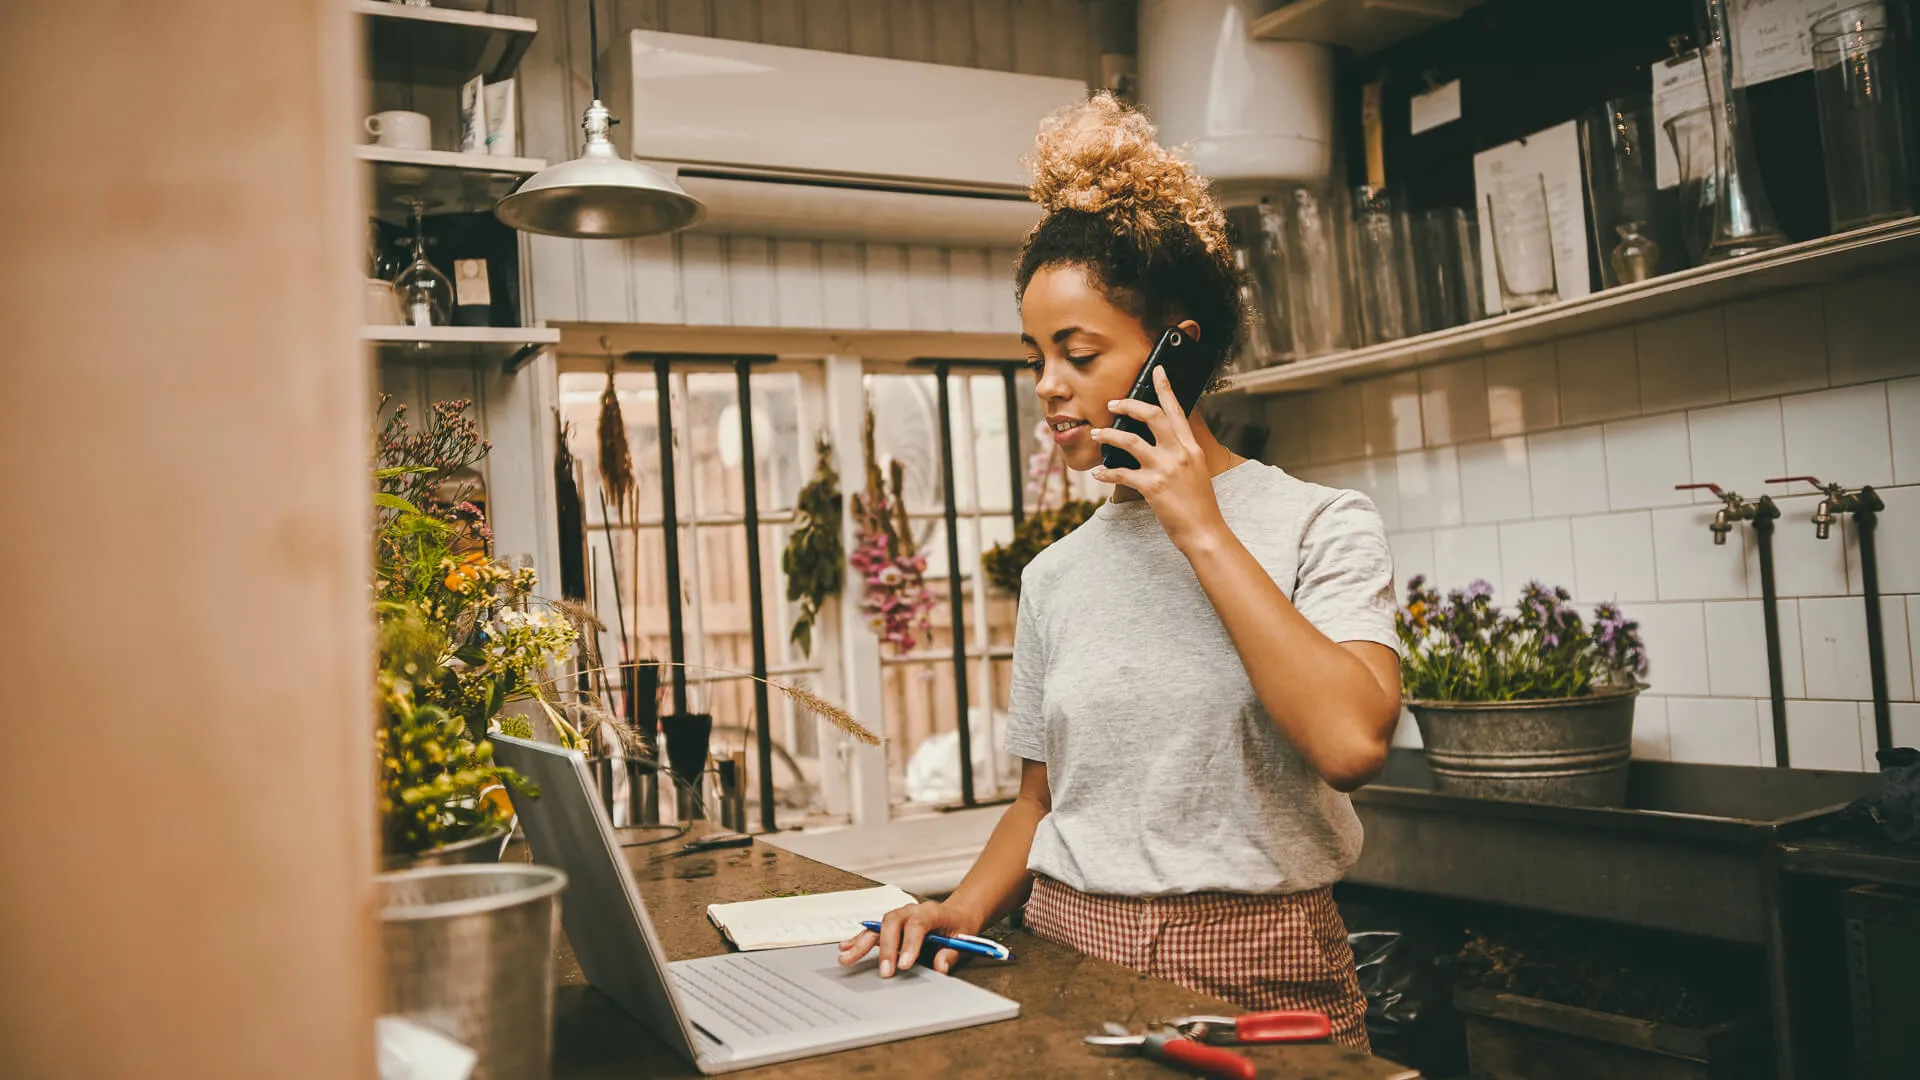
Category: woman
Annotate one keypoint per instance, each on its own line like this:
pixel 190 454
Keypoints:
pixel 1202 669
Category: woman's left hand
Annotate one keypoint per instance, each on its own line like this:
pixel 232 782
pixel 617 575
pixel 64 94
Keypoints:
pixel 1173 475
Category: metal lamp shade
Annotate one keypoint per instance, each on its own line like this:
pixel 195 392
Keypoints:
pixel 599 195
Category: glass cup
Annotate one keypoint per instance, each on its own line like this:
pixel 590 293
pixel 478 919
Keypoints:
pixel 1446 261
pixel 1856 78
pixel 1316 298
pixel 1692 135
pixel 1522 242
pixel 1380 261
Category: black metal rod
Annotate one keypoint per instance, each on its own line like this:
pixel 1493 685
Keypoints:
pixel 670 536
pixel 1864 520
pixel 1015 467
pixel 1770 610
pixel 757 613
pixel 593 44
pixel 955 599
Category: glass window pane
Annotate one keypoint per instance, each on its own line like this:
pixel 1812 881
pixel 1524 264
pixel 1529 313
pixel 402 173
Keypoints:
pixel 988 442
pixel 906 428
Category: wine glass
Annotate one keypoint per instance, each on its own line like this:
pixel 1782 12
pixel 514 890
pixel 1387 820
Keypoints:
pixel 426 296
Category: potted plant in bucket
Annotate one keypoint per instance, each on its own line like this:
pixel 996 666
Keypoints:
pixel 1531 705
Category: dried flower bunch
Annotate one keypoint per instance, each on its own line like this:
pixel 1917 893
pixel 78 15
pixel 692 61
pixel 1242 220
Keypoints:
pixel 896 600
pixel 1463 648
pixel 1004 563
pixel 815 560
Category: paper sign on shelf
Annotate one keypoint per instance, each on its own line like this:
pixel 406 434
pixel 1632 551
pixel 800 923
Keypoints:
pixel 1679 84
pixel 1770 37
pixel 1554 155
pixel 1441 105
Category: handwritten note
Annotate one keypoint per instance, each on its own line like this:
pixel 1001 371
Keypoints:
pixel 1554 155
pixel 1770 37
pixel 785 922
pixel 1440 105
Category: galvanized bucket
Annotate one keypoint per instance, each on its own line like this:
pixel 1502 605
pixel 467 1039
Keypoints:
pixel 469 953
pixel 1570 751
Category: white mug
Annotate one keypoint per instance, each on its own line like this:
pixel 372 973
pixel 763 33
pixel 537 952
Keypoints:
pixel 401 130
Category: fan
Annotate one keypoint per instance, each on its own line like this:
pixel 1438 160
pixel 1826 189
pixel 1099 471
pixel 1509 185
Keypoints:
pixel 906 428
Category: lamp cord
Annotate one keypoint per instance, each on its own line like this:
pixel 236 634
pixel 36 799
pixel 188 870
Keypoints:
pixel 593 43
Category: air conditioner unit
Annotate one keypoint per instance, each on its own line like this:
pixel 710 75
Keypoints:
pixel 779 141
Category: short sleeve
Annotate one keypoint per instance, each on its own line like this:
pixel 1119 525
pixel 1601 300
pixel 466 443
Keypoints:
pixel 1026 723
pixel 1345 583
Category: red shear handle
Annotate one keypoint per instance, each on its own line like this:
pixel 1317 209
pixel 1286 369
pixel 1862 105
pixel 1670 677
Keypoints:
pixel 1286 1025
pixel 1194 1057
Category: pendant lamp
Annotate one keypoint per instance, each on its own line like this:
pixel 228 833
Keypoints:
pixel 599 195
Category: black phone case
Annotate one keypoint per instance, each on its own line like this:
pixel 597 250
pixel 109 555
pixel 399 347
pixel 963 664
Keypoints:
pixel 1188 369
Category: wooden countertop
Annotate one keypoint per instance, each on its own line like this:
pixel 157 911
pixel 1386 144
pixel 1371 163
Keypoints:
pixel 1062 996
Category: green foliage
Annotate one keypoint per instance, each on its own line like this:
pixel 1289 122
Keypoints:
pixel 815 560
pixel 1462 648
pixel 1004 562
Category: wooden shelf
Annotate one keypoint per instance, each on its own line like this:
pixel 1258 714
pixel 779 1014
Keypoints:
pixel 507 346
pixel 442 46
pixel 1812 262
pixel 450 182
pixel 1365 26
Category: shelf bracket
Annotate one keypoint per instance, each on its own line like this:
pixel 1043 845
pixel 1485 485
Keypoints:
pixel 520 357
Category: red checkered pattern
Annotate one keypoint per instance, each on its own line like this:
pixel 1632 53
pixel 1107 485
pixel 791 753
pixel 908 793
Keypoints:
pixel 1258 951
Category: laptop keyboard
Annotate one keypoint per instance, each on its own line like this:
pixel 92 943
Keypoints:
pixel 757 997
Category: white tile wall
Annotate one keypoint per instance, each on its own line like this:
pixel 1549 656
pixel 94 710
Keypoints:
pixel 1537 551
pixel 1713 731
pixel 1903 415
pixel 1737 649
pixel 1776 344
pixel 1494 483
pixel 1690 565
pixel 1738 447
pixel 1676 640
pixel 1523 390
pixel 1650 740
pixel 1461 556
pixel 1839 435
pixel 1412 554
pixel 1906 725
pixel 1429 488
pixel 1453 402
pixel 1646 457
pixel 1683 360
pixel 1803 565
pixel 1286 418
pixel 1599 376
pixel 1569 471
pixel 1835 632
pixel 1824 735
pixel 1613 558
pixel 1390 413
pixel 1556 461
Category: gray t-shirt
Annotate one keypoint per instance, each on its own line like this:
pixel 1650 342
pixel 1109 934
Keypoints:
pixel 1167 774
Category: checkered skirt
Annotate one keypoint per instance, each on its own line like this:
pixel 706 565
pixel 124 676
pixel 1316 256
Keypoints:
pixel 1258 951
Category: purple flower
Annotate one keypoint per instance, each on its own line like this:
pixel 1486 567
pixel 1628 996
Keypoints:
pixel 1479 590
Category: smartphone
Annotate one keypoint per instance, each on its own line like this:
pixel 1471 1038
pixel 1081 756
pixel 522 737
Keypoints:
pixel 1189 369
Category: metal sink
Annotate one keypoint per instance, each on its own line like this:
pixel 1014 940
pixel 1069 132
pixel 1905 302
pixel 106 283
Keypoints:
pixel 1693 850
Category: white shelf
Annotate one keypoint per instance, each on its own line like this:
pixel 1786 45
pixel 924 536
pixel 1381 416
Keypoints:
pixel 1365 26
pixel 504 345
pixel 1812 262
pixel 442 46
pixel 450 182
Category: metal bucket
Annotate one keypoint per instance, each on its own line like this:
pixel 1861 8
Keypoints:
pixel 469 952
pixel 1570 751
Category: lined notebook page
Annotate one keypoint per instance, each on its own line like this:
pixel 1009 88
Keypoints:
pixel 784 922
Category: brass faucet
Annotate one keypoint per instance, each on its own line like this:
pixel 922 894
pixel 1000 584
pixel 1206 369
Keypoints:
pixel 1838 501
pixel 1733 508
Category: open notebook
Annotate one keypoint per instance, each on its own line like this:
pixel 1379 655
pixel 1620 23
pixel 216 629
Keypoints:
pixel 783 922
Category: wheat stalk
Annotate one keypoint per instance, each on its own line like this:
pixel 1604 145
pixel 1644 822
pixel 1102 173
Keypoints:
pixel 805 699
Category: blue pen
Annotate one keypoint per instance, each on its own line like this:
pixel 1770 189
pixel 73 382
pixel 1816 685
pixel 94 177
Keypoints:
pixel 966 943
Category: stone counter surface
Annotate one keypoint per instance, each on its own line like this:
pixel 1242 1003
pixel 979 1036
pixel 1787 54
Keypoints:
pixel 1062 996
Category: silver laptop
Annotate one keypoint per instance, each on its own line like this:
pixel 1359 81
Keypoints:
pixel 727 1012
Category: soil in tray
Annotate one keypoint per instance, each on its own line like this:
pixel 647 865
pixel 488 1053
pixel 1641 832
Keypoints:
pixel 1626 972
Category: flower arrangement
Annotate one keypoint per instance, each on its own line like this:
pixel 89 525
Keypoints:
pixel 896 600
pixel 456 638
pixel 815 559
pixel 1463 648
pixel 1005 562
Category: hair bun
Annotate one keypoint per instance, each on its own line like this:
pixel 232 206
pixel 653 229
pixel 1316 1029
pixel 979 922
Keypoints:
pixel 1101 157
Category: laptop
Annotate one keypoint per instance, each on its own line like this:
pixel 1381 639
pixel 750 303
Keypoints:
pixel 728 1012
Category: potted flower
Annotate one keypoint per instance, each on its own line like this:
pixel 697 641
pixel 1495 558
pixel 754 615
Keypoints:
pixel 1531 705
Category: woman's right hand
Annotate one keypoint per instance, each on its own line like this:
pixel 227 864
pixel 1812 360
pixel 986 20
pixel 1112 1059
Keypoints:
pixel 901 933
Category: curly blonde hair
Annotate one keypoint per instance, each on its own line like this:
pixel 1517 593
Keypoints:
pixel 1135 215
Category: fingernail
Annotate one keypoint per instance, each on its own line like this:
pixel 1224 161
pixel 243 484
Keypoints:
pixel 886 968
